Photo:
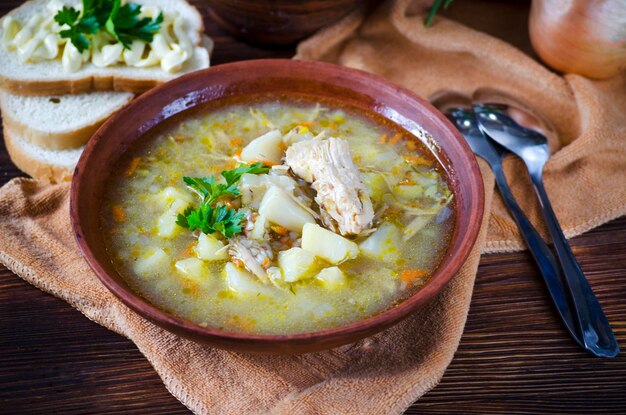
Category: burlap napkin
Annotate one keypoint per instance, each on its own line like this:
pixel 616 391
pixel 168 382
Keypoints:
pixel 384 373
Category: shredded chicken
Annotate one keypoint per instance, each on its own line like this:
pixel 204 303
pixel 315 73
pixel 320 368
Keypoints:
pixel 255 256
pixel 328 165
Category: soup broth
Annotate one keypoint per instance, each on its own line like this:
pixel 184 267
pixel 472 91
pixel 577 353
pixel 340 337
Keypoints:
pixel 325 216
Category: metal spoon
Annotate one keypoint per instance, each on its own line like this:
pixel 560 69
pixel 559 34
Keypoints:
pixel 532 148
pixel 493 153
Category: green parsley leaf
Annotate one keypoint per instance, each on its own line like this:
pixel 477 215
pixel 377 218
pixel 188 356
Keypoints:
pixel 227 221
pixel 77 38
pixel 208 217
pixel 77 28
pixel 233 176
pixel 67 15
pixel 210 220
pixel 125 25
pixel 122 22
pixel 99 10
pixel 210 191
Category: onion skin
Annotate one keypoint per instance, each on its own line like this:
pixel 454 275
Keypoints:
pixel 580 36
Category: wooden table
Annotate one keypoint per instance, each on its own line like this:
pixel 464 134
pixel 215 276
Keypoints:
pixel 514 356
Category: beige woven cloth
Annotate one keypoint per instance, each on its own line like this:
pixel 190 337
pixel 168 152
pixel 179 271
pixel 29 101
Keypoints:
pixel 387 372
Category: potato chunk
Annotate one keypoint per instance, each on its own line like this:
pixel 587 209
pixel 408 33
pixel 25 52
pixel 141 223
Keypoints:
pixel 264 148
pixel 384 244
pixel 193 268
pixel 327 245
pixel 242 282
pixel 254 186
pixel 278 207
pixel 259 230
pixel 154 261
pixel 166 223
pixel 332 277
pixel 170 194
pixel 295 264
pixel 210 248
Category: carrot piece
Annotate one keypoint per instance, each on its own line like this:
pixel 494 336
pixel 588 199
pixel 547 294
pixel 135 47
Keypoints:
pixel 238 263
pixel 190 287
pixel 188 251
pixel 409 276
pixel 280 230
pixel 132 166
pixel 396 137
pixel 118 213
pixel 243 323
pixel 265 162
pixel 383 139
pixel 265 262
pixel 418 161
pixel 411 145
pixel 236 142
pixel 305 123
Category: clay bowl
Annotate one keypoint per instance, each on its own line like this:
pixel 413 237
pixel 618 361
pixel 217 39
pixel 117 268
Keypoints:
pixel 238 80
pixel 277 22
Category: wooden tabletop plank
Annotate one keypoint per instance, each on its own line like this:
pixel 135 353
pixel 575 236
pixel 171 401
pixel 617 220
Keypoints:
pixel 514 356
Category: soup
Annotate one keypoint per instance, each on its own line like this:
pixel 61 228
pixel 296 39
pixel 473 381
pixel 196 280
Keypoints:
pixel 277 216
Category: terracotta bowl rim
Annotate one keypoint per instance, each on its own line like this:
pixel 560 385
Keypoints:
pixel 194 331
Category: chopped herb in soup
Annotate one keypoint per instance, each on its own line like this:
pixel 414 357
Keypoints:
pixel 277 217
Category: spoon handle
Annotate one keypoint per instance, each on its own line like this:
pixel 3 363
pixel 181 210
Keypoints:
pixel 540 252
pixel 597 335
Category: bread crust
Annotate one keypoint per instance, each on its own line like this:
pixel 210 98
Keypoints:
pixel 35 168
pixel 54 141
pixel 77 86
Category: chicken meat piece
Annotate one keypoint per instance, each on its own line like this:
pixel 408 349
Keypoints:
pixel 327 164
pixel 255 256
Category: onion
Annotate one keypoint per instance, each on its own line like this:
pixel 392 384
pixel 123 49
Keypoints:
pixel 580 36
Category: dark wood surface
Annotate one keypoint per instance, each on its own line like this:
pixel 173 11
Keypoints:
pixel 514 356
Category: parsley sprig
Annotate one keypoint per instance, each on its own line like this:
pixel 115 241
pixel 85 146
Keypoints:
pixel 210 217
pixel 121 21
pixel 125 25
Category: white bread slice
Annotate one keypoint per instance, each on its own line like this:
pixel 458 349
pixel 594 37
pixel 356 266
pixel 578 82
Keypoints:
pixel 49 78
pixel 63 121
pixel 52 166
pixel 59 122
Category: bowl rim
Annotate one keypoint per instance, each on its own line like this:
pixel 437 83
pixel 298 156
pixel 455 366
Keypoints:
pixel 441 276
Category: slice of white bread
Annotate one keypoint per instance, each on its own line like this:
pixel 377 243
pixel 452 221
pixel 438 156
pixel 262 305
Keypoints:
pixel 49 78
pixel 51 166
pixel 59 122
pixel 63 121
